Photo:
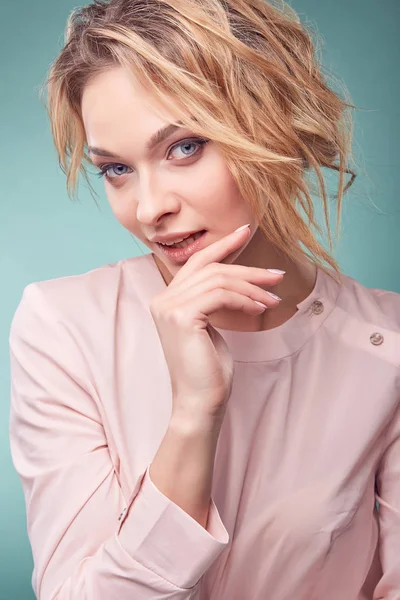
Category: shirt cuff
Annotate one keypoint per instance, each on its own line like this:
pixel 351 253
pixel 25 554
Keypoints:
pixel 161 536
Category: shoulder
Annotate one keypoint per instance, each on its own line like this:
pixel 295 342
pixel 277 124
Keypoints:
pixel 367 320
pixel 83 297
pixel 373 306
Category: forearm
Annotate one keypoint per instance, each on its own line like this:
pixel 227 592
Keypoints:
pixel 184 464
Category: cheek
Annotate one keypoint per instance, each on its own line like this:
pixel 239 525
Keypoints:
pixel 222 195
pixel 123 210
pixel 218 192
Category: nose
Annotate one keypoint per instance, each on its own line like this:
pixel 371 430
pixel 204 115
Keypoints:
pixel 154 200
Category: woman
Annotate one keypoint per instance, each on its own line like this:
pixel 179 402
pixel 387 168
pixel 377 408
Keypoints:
pixel 175 438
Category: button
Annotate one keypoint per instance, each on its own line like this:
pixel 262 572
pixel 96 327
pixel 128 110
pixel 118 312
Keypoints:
pixel 317 307
pixel 377 339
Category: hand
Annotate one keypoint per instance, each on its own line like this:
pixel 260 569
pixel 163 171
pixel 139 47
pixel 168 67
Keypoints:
pixel 199 362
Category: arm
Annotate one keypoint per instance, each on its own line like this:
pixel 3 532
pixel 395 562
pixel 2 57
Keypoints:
pixel 388 496
pixel 81 546
pixel 184 464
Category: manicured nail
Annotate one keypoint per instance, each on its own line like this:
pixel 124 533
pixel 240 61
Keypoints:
pixel 260 304
pixel 242 227
pixel 274 296
pixel 276 271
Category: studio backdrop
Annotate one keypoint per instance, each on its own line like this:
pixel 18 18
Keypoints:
pixel 43 234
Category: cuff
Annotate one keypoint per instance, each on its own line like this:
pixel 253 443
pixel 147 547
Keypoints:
pixel 161 536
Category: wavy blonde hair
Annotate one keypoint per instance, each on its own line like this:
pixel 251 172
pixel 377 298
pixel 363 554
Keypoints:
pixel 244 73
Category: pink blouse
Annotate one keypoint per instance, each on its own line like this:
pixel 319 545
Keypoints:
pixel 309 444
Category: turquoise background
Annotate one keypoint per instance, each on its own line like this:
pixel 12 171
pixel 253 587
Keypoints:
pixel 45 235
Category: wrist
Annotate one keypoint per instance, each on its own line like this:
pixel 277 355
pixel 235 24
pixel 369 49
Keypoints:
pixel 199 424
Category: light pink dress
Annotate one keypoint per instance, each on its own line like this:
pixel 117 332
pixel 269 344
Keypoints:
pixel 310 442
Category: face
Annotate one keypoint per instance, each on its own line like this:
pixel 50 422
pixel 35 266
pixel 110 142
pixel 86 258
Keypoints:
pixel 180 184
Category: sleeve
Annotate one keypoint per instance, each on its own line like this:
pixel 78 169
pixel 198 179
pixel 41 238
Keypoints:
pixel 388 497
pixel 88 541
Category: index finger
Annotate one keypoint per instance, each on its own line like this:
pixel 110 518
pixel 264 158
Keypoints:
pixel 216 251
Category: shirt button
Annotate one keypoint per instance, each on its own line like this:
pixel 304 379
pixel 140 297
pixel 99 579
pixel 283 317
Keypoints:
pixel 317 307
pixel 376 339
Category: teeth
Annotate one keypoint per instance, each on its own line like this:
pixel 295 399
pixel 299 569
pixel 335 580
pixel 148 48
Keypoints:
pixel 186 241
pixel 172 243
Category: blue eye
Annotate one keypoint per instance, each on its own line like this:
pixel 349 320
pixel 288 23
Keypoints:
pixel 115 168
pixel 104 170
pixel 196 143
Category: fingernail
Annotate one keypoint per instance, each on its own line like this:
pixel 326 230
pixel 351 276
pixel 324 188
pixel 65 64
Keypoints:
pixel 260 304
pixel 242 227
pixel 276 271
pixel 274 296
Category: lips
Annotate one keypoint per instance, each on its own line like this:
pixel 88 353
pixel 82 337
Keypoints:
pixel 179 255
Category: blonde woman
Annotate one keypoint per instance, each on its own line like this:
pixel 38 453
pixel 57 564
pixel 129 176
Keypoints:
pixel 217 419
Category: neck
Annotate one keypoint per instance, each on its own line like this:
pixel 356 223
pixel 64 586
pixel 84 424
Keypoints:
pixel 296 285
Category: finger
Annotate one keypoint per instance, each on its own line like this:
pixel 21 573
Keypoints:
pixel 227 282
pixel 198 311
pixel 215 252
pixel 255 275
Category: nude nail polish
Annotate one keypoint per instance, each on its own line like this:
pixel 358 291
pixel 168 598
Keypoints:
pixel 241 228
pixel 274 296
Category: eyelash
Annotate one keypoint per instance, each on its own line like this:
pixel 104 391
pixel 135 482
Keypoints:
pixel 199 141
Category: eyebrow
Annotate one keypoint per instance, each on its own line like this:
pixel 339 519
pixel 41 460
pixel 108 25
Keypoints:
pixel 156 139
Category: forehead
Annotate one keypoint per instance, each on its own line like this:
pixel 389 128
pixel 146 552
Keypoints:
pixel 114 103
